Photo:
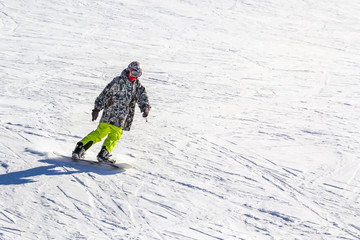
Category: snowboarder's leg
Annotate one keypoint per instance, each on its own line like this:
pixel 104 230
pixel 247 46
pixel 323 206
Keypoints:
pixel 95 136
pixel 101 131
pixel 112 138
pixel 109 144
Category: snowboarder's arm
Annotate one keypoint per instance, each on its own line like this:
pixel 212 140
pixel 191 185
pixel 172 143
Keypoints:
pixel 143 100
pixel 104 95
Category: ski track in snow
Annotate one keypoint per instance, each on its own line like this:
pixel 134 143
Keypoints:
pixel 253 131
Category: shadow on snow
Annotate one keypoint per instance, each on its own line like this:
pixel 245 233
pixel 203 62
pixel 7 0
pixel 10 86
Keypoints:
pixel 58 166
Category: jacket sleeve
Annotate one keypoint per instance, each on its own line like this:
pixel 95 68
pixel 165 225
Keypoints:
pixel 142 100
pixel 105 95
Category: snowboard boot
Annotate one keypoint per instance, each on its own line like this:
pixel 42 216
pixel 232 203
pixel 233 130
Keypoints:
pixel 104 156
pixel 79 151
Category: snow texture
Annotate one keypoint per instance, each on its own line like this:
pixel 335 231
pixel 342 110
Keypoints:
pixel 253 131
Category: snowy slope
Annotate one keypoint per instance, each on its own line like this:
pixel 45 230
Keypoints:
pixel 253 132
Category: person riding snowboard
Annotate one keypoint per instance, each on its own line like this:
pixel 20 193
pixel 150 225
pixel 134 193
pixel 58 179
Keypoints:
pixel 118 102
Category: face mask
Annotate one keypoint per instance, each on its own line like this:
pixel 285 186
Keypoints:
pixel 131 79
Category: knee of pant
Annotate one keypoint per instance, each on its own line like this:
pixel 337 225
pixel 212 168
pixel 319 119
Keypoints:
pixel 118 136
pixel 115 136
pixel 116 133
pixel 102 130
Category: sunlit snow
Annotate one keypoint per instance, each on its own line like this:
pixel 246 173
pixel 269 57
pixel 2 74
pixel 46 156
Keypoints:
pixel 254 129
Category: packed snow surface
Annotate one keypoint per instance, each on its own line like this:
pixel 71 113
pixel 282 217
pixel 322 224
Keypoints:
pixel 253 133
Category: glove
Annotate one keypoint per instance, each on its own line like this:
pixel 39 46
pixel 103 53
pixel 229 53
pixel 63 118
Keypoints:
pixel 95 114
pixel 145 112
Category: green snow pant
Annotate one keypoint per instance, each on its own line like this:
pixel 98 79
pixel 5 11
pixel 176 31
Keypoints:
pixel 113 135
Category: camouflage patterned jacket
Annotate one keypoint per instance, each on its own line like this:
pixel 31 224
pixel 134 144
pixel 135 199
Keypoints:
pixel 118 101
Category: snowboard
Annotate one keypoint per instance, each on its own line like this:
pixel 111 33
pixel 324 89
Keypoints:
pixel 119 166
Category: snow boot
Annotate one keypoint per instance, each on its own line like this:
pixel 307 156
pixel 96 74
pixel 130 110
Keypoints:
pixel 104 156
pixel 79 152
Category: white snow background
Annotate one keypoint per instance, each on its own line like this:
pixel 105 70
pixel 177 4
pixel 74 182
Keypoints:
pixel 253 131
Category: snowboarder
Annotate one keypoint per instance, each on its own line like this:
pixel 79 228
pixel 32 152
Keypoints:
pixel 118 102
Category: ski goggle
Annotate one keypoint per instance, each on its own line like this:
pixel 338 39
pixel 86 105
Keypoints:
pixel 135 73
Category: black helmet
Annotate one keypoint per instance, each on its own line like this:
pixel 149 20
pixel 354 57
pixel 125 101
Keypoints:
pixel 135 68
